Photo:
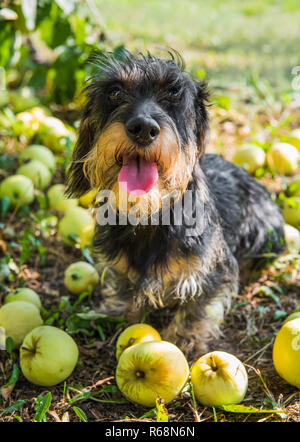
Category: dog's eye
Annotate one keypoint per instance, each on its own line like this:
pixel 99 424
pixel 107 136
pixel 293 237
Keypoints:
pixel 115 94
pixel 174 93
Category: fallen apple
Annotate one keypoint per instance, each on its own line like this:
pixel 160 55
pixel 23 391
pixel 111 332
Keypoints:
pixel 286 352
pixel 294 186
pixel 58 200
pixel 80 276
pixel 283 158
pixel 135 334
pixel 219 378
pixel 25 124
pixel 37 172
pixel 291 211
pixel 250 157
pixel 150 370
pixel 18 318
pixel 77 224
pixel 295 138
pixel 54 133
pixel 88 199
pixel 18 188
pixel 23 294
pixel 294 315
pixel 40 153
pixel 48 355
pixel 292 238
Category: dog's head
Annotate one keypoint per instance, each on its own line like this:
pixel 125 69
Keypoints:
pixel 143 127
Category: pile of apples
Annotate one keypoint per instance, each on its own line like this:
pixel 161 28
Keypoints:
pixel 48 355
pixel 149 367
pixel 282 158
pixel 37 166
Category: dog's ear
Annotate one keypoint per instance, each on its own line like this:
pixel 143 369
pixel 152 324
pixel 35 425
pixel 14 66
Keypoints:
pixel 202 121
pixel 77 182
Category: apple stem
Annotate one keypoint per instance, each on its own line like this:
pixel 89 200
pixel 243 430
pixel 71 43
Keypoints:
pixel 27 349
pixel 140 374
pixel 213 364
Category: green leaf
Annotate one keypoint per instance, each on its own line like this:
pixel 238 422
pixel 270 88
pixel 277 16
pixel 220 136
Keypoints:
pixel 13 377
pixel 5 203
pixel 14 407
pixel 80 413
pixel 239 408
pixel 42 405
pixel 9 345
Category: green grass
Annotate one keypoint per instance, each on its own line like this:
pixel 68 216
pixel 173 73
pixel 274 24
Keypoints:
pixel 224 40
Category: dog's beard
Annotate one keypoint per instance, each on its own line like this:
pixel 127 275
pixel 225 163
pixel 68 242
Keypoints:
pixel 175 165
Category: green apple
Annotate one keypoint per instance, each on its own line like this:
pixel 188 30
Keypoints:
pixel 284 158
pixel 250 157
pixel 294 186
pixel 58 200
pixel 135 334
pixel 25 124
pixel 79 222
pixel 286 352
pixel 37 172
pixel 219 378
pixel 79 276
pixel 292 238
pixel 48 355
pixel 150 370
pixel 88 199
pixel 54 132
pixel 291 211
pixel 23 294
pixel 18 188
pixel 18 318
pixel 40 153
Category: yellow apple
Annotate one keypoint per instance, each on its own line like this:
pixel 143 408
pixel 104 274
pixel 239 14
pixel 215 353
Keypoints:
pixel 88 199
pixel 25 124
pixel 79 222
pixel 294 315
pixel 284 158
pixel 37 172
pixel 40 153
pixel 286 352
pixel 135 334
pixel 58 200
pixel 79 276
pixel 18 318
pixel 18 188
pixel 53 134
pixel 219 378
pixel 292 238
pixel 150 370
pixel 250 157
pixel 291 211
pixel 48 355
pixel 295 138
pixel 23 294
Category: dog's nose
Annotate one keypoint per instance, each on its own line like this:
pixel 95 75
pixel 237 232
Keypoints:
pixel 142 130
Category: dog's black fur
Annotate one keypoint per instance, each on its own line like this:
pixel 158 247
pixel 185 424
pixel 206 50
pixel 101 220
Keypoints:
pixel 162 266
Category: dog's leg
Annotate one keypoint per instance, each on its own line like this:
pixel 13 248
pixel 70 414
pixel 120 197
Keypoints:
pixel 196 324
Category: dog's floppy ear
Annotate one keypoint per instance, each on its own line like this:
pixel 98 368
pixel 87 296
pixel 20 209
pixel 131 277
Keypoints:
pixel 202 121
pixel 77 182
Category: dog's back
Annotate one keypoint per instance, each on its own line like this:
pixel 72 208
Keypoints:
pixel 252 223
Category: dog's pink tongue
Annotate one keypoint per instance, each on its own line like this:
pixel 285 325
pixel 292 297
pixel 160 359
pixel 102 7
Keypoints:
pixel 137 176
